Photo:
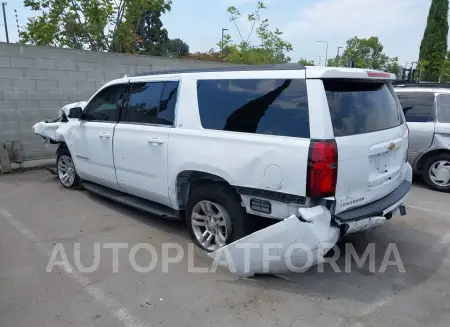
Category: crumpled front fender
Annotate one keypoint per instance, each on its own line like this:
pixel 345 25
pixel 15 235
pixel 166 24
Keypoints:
pixel 55 131
pixel 292 245
pixel 48 130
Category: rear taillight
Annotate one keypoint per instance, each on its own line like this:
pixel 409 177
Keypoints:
pixel 322 168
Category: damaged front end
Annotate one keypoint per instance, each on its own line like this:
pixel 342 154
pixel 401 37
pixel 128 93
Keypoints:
pixel 294 244
pixel 52 130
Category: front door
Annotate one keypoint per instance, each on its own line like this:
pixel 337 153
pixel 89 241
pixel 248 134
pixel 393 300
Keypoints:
pixel 92 140
pixel 141 140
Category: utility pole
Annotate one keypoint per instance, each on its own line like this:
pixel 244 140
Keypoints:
pixel 326 53
pixel 4 19
pixel 223 30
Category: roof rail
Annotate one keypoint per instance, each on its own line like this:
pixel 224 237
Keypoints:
pixel 227 68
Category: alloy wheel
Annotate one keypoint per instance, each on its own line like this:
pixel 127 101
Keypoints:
pixel 211 225
pixel 66 170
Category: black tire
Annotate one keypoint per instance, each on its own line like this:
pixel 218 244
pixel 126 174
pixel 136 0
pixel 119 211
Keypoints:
pixel 61 153
pixel 225 196
pixel 426 172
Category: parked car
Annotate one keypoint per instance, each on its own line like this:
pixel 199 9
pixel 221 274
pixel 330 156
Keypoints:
pixel 320 150
pixel 428 116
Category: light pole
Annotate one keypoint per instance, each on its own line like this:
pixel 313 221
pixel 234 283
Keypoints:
pixel 223 30
pixel 326 54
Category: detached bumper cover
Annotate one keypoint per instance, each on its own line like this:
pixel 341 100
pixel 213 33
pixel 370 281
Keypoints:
pixel 290 245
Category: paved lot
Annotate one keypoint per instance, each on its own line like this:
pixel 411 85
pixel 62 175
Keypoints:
pixel 36 214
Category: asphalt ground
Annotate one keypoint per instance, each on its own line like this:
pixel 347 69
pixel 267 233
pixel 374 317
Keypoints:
pixel 37 215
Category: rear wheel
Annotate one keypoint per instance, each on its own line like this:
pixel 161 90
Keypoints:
pixel 436 172
pixel 65 169
pixel 214 216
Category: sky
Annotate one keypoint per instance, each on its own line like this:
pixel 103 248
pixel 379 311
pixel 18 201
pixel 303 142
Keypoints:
pixel 398 23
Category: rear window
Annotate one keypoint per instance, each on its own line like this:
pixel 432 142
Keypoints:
pixel 257 106
pixel 358 107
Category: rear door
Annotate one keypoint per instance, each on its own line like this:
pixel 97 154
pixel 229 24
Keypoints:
pixel 420 119
pixel 372 139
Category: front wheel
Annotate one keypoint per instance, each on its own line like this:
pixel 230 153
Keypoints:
pixel 214 216
pixel 436 172
pixel 65 169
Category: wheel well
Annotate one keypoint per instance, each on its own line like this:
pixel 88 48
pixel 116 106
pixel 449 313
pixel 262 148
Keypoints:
pixel 62 147
pixel 423 159
pixel 187 178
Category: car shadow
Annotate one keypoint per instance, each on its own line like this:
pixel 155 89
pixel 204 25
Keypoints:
pixel 169 226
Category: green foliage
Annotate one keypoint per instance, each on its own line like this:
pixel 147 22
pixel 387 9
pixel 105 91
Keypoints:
pixel 152 37
pixel 445 76
pixel 306 62
pixel 101 25
pixel 433 49
pixel 272 50
pixel 210 55
pixel 367 53
pixel 176 48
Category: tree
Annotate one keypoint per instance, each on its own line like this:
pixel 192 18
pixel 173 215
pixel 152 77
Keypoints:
pixel 210 55
pixel 433 49
pixel 272 50
pixel 176 48
pixel 366 53
pixel 101 25
pixel 306 62
pixel 445 76
pixel 151 36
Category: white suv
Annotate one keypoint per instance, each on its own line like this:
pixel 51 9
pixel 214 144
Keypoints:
pixel 324 146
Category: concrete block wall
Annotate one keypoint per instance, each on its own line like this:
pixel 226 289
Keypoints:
pixel 35 82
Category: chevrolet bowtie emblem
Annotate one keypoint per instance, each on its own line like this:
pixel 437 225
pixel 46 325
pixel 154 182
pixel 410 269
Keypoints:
pixel 391 147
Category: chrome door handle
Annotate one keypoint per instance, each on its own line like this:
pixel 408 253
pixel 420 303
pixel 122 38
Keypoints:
pixel 156 141
pixel 104 136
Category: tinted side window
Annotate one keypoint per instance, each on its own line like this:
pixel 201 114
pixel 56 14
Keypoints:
pixel 261 106
pixel 167 106
pixel 422 104
pixel 444 108
pixel 143 102
pixel 104 106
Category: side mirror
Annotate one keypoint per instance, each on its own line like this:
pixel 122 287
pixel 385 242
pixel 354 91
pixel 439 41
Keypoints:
pixel 405 109
pixel 75 112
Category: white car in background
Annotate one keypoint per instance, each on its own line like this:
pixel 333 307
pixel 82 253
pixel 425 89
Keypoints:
pixel 320 152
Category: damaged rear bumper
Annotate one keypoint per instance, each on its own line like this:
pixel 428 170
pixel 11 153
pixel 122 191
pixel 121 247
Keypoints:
pixel 297 243
pixel 294 244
